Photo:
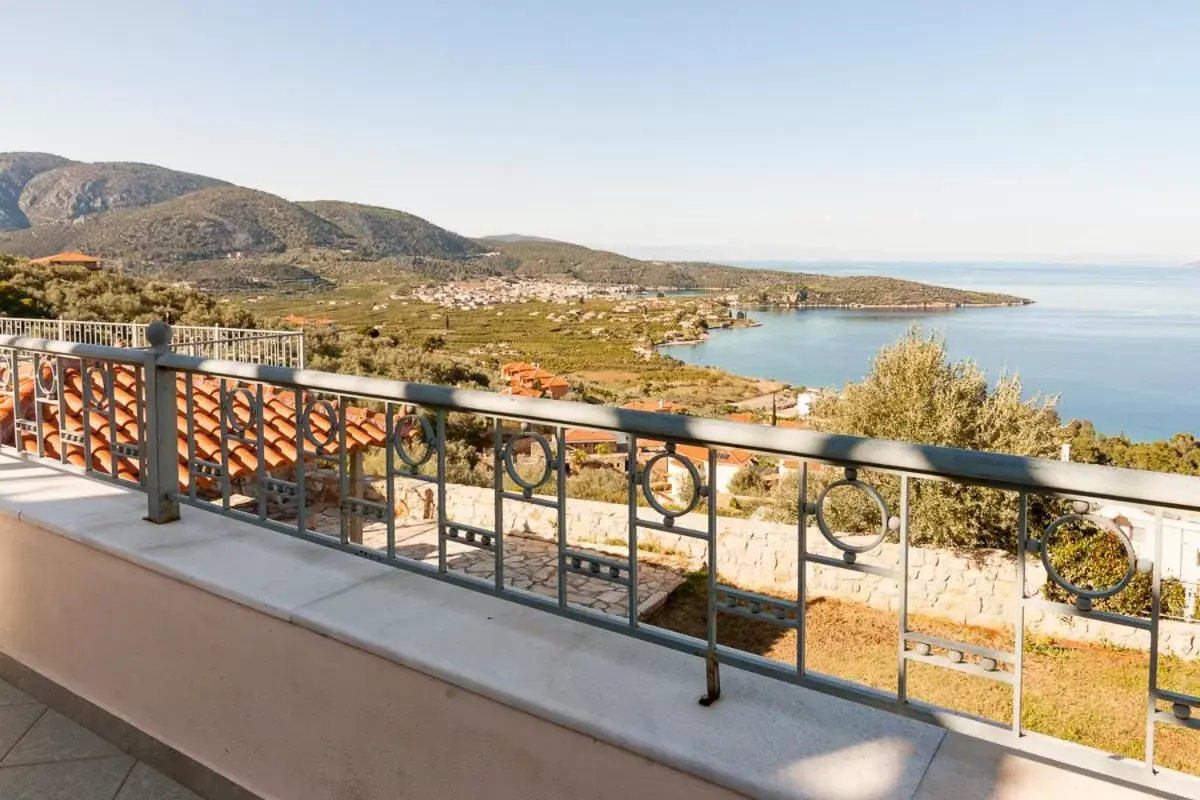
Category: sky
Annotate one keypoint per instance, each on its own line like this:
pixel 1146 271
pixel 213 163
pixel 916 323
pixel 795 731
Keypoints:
pixel 966 129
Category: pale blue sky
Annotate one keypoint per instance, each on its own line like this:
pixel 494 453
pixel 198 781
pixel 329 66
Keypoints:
pixel 1049 129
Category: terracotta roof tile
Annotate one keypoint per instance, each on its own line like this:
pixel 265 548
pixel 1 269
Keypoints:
pixel 277 449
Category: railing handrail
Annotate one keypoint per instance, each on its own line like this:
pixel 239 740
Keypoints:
pixel 100 352
pixel 997 470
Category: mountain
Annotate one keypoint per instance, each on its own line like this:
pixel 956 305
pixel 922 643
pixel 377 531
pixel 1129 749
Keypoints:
pixel 384 232
pixel 77 190
pixel 211 223
pixel 518 237
pixel 149 220
pixel 16 170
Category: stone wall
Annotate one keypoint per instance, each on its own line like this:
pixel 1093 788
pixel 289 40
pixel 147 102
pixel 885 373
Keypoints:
pixel 979 589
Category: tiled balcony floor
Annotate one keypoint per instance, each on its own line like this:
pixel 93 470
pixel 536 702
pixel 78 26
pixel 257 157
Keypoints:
pixel 48 757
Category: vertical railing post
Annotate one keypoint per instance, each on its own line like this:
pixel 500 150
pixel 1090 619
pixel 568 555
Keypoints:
pixel 161 434
pixel 301 348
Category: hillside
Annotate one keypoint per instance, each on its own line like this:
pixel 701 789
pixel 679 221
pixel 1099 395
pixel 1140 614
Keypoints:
pixel 383 232
pixel 212 223
pixel 16 170
pixel 76 190
pixel 548 259
pixel 864 291
pixel 148 220
pixel 518 237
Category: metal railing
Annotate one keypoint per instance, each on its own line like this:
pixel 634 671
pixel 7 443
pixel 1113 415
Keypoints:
pixel 422 424
pixel 273 347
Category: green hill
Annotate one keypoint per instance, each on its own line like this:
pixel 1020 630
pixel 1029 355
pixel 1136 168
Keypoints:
pixel 383 232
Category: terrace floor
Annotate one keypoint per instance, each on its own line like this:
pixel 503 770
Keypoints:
pixel 45 756
pixel 529 563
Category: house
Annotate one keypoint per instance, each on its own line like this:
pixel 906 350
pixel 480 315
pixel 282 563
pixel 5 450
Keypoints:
pixel 1180 544
pixel 530 380
pixel 591 441
pixel 665 406
pixel 294 319
pixel 71 258
pixel 729 461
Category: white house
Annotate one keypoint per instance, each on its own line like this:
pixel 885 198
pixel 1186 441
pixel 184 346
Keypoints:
pixel 1180 545
pixel 729 461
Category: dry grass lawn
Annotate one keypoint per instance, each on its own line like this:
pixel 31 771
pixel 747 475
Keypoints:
pixel 1087 694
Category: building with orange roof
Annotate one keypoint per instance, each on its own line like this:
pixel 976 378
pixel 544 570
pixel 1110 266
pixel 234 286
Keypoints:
pixel 293 319
pixel 588 440
pixel 665 406
pixel 728 461
pixel 530 380
pixel 72 258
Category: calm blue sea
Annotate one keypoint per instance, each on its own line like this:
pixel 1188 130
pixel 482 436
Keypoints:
pixel 1120 345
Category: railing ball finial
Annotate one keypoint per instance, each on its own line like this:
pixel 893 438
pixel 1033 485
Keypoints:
pixel 158 334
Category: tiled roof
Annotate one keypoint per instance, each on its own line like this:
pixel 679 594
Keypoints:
pixel 278 450
pixel 295 319
pixel 733 456
pixel 70 257
pixel 521 391
pixel 588 436
pixel 655 405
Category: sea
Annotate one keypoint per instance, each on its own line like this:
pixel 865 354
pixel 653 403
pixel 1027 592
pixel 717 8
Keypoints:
pixel 1119 345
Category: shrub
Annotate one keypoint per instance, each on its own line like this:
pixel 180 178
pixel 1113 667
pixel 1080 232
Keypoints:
pixel 748 481
pixel 1093 559
pixel 596 483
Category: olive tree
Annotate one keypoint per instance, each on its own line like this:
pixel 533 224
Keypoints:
pixel 915 393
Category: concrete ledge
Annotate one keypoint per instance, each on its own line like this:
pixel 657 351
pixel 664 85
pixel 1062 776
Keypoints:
pixel 764 739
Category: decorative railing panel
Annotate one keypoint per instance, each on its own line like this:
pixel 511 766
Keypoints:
pixel 247 441
pixel 274 348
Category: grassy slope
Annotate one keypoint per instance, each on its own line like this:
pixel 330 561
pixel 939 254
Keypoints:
pixel 1087 694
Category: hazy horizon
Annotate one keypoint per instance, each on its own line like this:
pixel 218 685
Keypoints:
pixel 869 130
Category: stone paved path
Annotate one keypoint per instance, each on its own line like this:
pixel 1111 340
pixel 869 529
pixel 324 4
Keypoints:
pixel 529 563
pixel 45 756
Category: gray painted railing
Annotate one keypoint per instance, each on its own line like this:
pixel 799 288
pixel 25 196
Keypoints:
pixel 271 347
pixel 417 418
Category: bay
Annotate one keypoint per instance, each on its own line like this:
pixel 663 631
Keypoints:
pixel 1120 345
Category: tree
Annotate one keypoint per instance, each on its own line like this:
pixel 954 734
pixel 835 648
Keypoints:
pixel 748 481
pixel 914 393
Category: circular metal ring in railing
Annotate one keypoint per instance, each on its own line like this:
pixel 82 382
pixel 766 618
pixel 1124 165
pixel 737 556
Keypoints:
pixel 310 433
pixel 229 406
pixel 511 468
pixel 42 365
pixel 1084 597
pixel 90 400
pixel 401 449
pixel 887 522
pixel 699 490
